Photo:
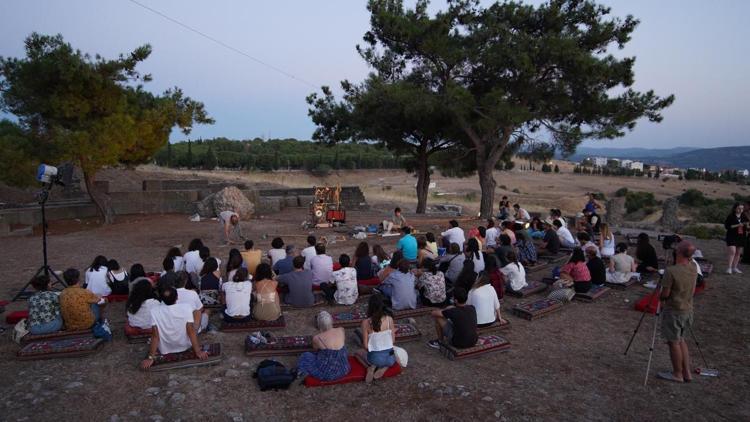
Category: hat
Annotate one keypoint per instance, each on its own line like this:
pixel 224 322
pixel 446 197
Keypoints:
pixel 548 221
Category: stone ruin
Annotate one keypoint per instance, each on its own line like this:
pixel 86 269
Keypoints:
pixel 616 211
pixel 229 198
pixel 669 218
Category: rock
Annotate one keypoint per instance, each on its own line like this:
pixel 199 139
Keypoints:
pixel 156 417
pixel 465 394
pixel 177 398
pixel 669 218
pixel 161 403
pixel 152 391
pixel 615 211
pixel 245 364
pixel 173 383
pixel 74 384
pixel 235 416
pixel 232 373
pixel 229 198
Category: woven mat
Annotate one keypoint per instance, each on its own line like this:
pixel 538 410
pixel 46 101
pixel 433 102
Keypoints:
pixel 253 325
pixel 537 308
pixel 594 293
pixel 533 287
pixel 485 344
pixel 357 373
pixel 136 335
pixel 30 338
pixel 405 332
pixel 279 346
pixel 354 316
pixel 187 359
pixel 63 348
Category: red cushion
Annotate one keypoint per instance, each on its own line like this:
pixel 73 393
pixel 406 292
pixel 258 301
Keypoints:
pixel 4 302
pixel 336 266
pixel 647 303
pixel 316 288
pixel 369 282
pixel 13 317
pixel 116 298
pixel 700 289
pixel 357 374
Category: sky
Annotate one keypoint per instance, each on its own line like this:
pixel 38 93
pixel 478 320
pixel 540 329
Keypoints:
pixel 694 49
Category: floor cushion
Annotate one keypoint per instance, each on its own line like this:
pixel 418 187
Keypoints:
pixel 116 298
pixel 30 338
pixel 533 287
pixel 594 293
pixel 187 359
pixel 357 373
pixel 495 326
pixel 537 309
pixel 136 335
pixel 404 332
pixel 60 348
pixel 372 282
pixel 253 325
pixel 279 346
pixel 13 317
pixel 485 344
pixel 622 286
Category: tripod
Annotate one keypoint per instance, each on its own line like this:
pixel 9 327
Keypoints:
pixel 656 294
pixel 45 269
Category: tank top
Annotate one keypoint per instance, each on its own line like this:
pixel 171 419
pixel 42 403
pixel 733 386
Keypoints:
pixel 379 341
pixel 608 246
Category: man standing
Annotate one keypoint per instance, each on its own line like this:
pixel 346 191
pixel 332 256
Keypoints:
pixel 398 222
pixel 408 245
pixel 677 290
pixel 230 223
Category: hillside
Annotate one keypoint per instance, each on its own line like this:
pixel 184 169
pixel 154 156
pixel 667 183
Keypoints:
pixel 710 158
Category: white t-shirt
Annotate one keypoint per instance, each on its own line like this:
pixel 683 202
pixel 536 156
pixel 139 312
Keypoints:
pixel 96 281
pixel 189 298
pixel 491 237
pixel 179 263
pixel 193 261
pixel 276 255
pixel 171 321
pixel 142 318
pixel 515 275
pixel 566 238
pixel 484 299
pixel 455 235
pixel 225 216
pixel 523 214
pixel 478 262
pixel 237 296
pixel 308 253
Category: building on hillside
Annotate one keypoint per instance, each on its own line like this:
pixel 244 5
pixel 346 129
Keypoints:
pixel 636 165
pixel 745 173
pixel 626 163
pixel 600 161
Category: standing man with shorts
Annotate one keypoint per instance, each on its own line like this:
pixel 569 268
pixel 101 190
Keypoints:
pixel 677 290
pixel 230 225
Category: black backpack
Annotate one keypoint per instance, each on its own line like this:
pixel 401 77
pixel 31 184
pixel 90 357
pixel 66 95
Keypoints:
pixel 273 375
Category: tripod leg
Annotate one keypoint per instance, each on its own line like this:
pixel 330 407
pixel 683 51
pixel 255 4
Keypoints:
pixel 653 341
pixel 692 333
pixel 637 327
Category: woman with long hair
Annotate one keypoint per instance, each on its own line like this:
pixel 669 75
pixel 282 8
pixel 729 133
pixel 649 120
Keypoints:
pixel 467 276
pixel 268 304
pixel 645 255
pixel 474 253
pixel 423 251
pixel 362 262
pixel 737 226
pixel 192 258
pixel 378 337
pixel 514 273
pixel 141 301
pixel 606 241
pixel 380 257
pixel 96 277
pixel 526 249
pixel 210 282
pixel 484 299
pixel 391 267
pixel 175 254
pixel 117 278
pixel 577 271
pixel 234 262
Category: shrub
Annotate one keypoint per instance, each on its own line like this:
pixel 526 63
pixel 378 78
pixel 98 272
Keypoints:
pixel 704 232
pixel 322 170
pixel 503 187
pixel 599 196
pixel 557 168
pixel 694 198
pixel 470 196
pixel 619 193
pixel 637 200
pixel 515 190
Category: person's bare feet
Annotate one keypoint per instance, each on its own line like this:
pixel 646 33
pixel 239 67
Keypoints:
pixel 380 372
pixel 370 374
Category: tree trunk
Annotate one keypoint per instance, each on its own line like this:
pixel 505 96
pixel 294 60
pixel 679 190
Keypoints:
pixel 423 180
pixel 487 184
pixel 101 200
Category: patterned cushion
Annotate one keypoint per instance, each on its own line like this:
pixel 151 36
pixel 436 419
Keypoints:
pixel 537 308
pixel 354 316
pixel 29 338
pixel 404 332
pixel 593 294
pixel 495 326
pixel 279 345
pixel 69 347
pixel 485 344
pixel 136 335
pixel 562 295
pixel 357 374
pixel 532 288
pixel 254 325
pixel 187 359
pixel 116 298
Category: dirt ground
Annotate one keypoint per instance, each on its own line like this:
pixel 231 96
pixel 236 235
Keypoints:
pixel 567 366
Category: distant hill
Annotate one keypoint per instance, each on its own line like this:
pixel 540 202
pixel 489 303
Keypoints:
pixel 710 158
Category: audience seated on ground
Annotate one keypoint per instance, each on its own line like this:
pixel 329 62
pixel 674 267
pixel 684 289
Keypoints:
pixel 497 278
pixel 78 306
pixel 526 249
pixel 321 265
pixel 234 262
pixel 175 254
pixel 204 254
pixel 556 214
pixel 192 300
pixel 380 258
pixel 454 234
pixel 536 228
pixel 192 257
pixel 550 242
pixel 565 236
pixel 330 360
pixel 44 308
pixel 431 284
pixel 136 271
pixel 173 329
pixel 491 234
pixel 456 325
pixel 480 234
pixel 584 239
pixel 399 288
pixel 363 263
pixel 431 242
pixel 117 278
pixel 514 273
pixel 277 251
pixel 645 255
pixel 424 252
pixel 210 282
pixel 237 295
pixel 502 251
pixel 507 227
pixel 378 336
pixel 285 265
pixel 407 244
pixel 467 277
pixel 606 241
pixel 577 271
pixel 298 285
pixel 251 257
pixel 474 253
pixel 621 265
pixel 141 301
pixel 483 298
pixel 521 214
pixel 167 266
pixel 309 252
pixel 452 263
pixel 504 211
pixel 267 305
pixel 342 288
pixel 392 266
pixel 597 269
pixel 96 277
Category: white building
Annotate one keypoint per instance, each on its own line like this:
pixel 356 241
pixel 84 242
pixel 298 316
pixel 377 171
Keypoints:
pixel 636 165
pixel 600 161
pixel 626 163
pixel 745 173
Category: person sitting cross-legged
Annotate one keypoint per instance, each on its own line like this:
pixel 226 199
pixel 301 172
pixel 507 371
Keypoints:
pixel 173 329
pixel 342 288
pixel 298 285
pixel 431 284
pixel 577 271
pixel 514 273
pixel 141 302
pixel 399 288
pixel 267 306
pixel 483 298
pixel 330 360
pixel 44 308
pixel 456 325
pixel 237 294
pixel 78 306
pixel 191 299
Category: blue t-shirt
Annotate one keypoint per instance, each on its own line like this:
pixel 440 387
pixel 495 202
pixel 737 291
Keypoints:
pixel 284 266
pixel 408 246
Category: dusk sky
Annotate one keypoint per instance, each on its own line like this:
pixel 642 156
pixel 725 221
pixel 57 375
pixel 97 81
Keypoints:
pixel 695 49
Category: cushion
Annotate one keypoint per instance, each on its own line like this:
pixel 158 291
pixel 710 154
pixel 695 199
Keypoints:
pixel 30 338
pixel 116 298
pixel 60 348
pixel 537 309
pixel 253 325
pixel 13 317
pixel 187 359
pixel 532 288
pixel 279 346
pixel 593 294
pixel 372 282
pixel 647 303
pixel 357 374
pixel 404 332
pixel 622 286
pixel 353 317
pixel 495 326
pixel 136 335
pixel 485 344
pixel 336 266
pixel 700 289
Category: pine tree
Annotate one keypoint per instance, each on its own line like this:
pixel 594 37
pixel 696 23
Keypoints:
pixel 189 155
pixel 211 161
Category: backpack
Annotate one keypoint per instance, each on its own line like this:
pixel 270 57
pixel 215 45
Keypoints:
pixel 273 375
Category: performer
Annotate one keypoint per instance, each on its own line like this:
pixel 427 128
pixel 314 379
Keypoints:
pixel 398 222
pixel 230 224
